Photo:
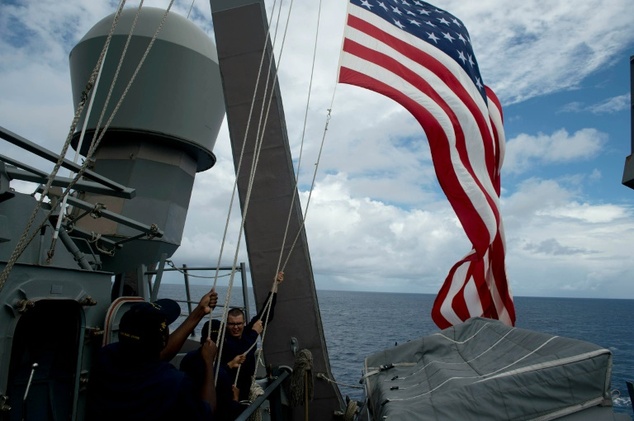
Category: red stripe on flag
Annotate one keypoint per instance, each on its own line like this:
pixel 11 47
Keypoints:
pixel 476 230
pixel 466 140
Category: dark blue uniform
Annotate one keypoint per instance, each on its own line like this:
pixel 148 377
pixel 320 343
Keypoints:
pixel 122 389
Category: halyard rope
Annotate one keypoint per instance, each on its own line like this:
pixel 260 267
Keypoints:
pixel 22 242
pixel 250 185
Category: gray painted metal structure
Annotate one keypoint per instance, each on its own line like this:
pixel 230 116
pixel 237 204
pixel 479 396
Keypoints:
pixel 628 172
pixel 241 39
pixel 54 305
pixel 163 132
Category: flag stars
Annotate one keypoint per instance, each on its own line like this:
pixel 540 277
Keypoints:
pixel 443 20
pixel 396 10
pixel 448 36
pixel 433 26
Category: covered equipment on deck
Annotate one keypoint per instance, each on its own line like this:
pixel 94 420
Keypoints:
pixel 484 369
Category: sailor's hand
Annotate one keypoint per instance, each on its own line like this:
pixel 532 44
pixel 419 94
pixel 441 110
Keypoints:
pixel 209 351
pixel 209 301
pixel 278 280
pixel 236 392
pixel 258 326
pixel 237 361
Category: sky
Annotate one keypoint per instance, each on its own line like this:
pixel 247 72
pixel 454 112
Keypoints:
pixel 377 219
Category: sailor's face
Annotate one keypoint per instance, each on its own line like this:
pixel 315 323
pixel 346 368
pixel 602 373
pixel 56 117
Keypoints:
pixel 235 325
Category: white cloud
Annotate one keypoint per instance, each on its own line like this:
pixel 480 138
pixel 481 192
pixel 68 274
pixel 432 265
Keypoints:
pixel 611 105
pixel 534 48
pixel 556 245
pixel 607 106
pixel 526 151
pixel 377 218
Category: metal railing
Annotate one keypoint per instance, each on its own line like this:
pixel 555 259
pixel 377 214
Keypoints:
pixel 272 394
pixel 186 271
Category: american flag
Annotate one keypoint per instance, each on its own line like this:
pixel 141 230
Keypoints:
pixel 421 57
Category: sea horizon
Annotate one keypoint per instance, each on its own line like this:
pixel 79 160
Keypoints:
pixel 353 290
pixel 398 317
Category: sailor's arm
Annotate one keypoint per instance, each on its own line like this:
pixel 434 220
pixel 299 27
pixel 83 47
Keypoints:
pixel 208 392
pixel 272 297
pixel 180 335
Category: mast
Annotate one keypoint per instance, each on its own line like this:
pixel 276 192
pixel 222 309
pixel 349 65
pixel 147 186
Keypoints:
pixel 241 38
pixel 628 172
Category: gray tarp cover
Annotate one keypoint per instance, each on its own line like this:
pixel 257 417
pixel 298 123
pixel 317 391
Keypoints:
pixel 483 369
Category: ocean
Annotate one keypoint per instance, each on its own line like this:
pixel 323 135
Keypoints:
pixel 358 324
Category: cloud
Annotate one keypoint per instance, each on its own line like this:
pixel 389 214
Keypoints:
pixel 608 106
pixel 377 219
pixel 524 152
pixel 552 247
pixel 526 50
pixel 612 105
pixel 557 245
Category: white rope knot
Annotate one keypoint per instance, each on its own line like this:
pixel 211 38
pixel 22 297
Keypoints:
pixel 255 391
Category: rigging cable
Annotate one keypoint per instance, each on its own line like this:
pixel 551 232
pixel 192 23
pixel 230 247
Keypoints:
pixel 280 266
pixel 23 242
pixel 258 148
pixel 101 116
pixel 316 167
pixel 190 8
pixel 248 194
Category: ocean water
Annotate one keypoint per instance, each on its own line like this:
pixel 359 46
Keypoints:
pixel 358 324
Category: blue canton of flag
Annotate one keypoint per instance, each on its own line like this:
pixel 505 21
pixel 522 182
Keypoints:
pixel 433 25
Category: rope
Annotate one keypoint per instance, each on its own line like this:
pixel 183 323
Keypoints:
pixel 301 385
pixel 51 250
pixel 258 146
pixel 281 266
pixel 190 8
pixel 255 391
pixel 22 242
pixel 351 410
pixel 63 208
pixel 229 212
pixel 322 376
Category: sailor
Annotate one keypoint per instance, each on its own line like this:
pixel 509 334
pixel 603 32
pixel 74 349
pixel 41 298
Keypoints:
pixel 133 380
pixel 228 394
pixel 240 339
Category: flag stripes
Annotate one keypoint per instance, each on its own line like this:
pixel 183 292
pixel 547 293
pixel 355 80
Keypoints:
pixel 466 139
